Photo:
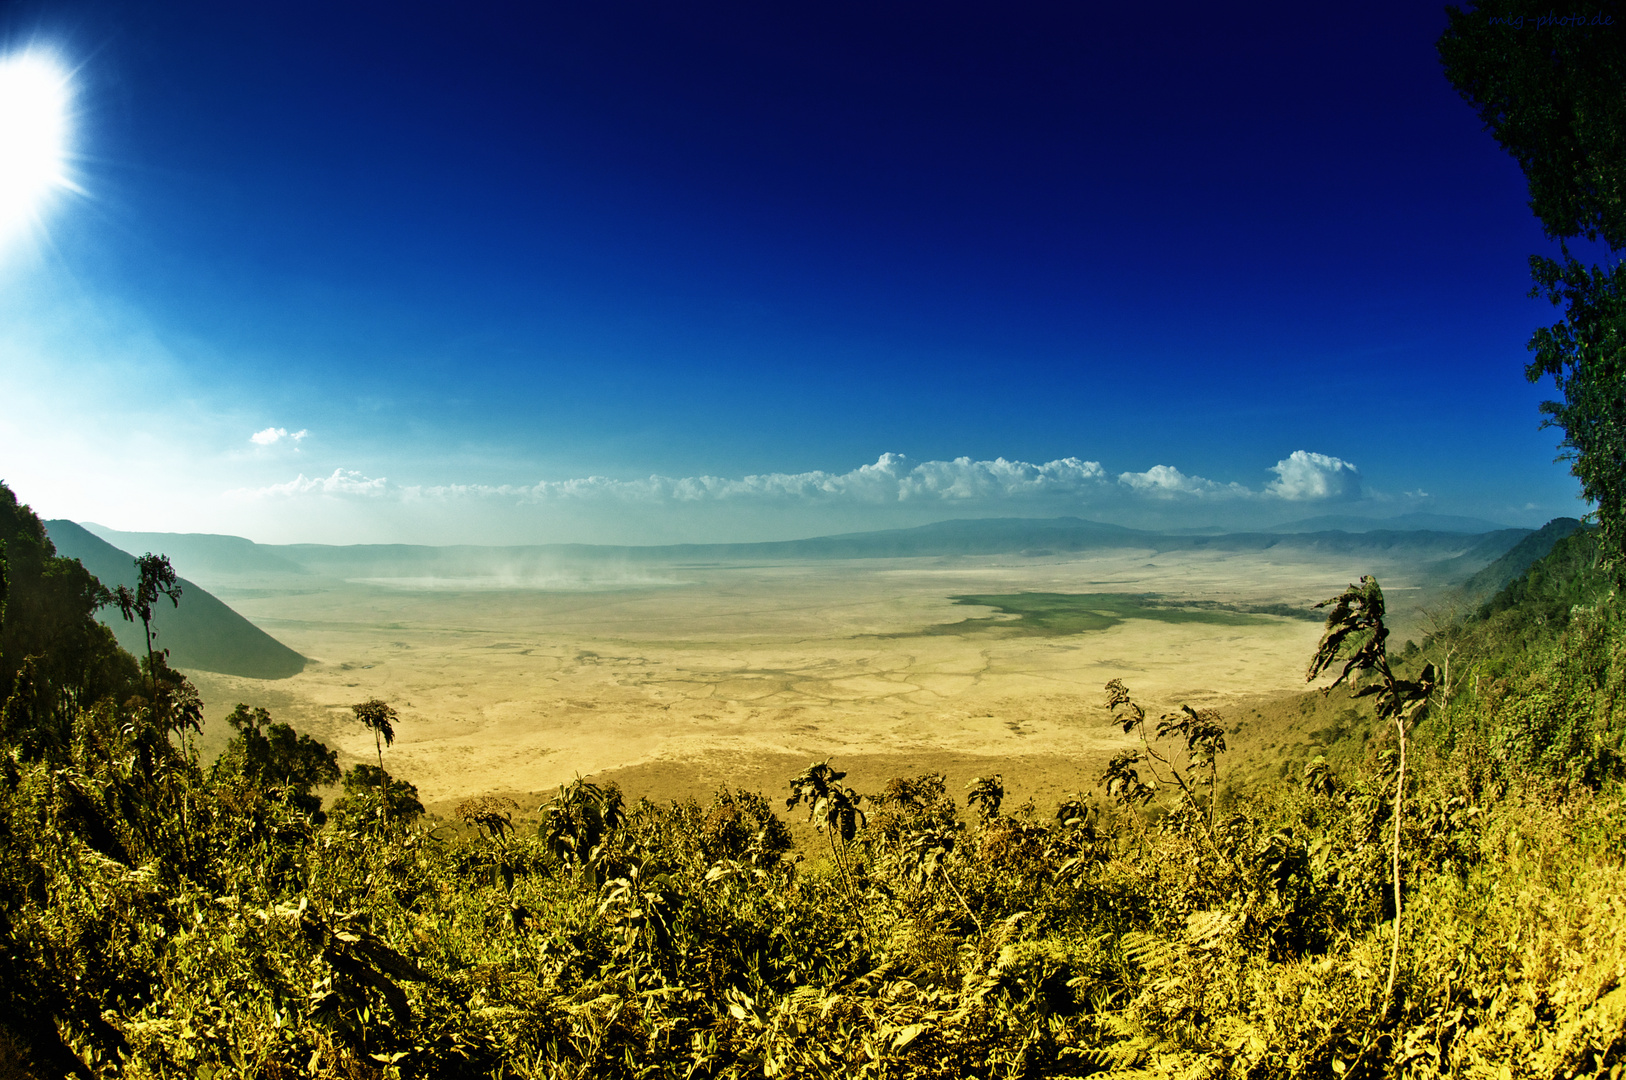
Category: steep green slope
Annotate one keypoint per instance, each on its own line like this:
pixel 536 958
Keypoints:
pixel 1547 594
pixel 202 633
pixel 1519 558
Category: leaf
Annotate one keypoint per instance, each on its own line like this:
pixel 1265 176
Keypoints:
pixel 907 1035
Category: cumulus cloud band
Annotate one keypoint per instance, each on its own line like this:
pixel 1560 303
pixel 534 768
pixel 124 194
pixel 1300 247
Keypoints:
pixel 342 482
pixel 1167 482
pixel 1300 477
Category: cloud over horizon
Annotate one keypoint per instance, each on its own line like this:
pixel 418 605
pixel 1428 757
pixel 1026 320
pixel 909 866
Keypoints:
pixel 1168 482
pixel 342 482
pixel 1302 476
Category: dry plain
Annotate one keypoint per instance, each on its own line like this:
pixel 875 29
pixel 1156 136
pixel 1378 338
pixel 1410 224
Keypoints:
pixel 697 675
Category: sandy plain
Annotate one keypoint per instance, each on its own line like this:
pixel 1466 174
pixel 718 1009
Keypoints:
pixel 703 675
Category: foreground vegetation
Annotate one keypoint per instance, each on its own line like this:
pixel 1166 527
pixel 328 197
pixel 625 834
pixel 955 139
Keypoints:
pixel 163 916
pixel 1444 897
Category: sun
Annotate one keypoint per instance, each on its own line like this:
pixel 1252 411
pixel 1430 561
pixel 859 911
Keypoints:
pixel 35 95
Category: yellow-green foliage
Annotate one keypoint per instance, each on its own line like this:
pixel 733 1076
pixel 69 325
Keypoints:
pixel 163 919
pixel 1035 948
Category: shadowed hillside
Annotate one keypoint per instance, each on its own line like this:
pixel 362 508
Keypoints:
pixel 1520 558
pixel 201 633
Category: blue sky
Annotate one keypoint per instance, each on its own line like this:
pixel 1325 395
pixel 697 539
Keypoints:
pixel 650 272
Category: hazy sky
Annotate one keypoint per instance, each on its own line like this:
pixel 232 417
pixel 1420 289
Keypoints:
pixel 644 272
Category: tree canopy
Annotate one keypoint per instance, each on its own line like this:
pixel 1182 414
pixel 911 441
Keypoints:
pixel 1550 94
pixel 55 658
pixel 275 755
pixel 1548 88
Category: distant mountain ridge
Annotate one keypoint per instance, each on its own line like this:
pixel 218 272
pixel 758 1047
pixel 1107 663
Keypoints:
pixel 201 552
pixel 201 633
pixel 1457 554
pixel 1413 522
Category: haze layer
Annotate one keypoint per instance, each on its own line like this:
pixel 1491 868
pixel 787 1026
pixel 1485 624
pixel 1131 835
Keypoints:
pixel 700 674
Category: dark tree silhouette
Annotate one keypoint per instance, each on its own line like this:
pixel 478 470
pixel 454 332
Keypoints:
pixel 48 625
pixel 274 755
pixel 154 578
pixel 1553 100
pixel 379 718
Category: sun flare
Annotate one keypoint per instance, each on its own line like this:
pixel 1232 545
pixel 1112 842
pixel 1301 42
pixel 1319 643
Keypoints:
pixel 35 94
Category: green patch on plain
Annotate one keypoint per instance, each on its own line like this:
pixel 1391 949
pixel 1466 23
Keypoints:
pixel 1040 614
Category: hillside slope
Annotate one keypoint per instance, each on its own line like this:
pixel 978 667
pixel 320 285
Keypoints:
pixel 1519 558
pixel 201 633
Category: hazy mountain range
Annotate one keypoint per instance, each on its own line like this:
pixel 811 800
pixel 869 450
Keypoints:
pixel 1460 551
pixel 1412 522
pixel 206 633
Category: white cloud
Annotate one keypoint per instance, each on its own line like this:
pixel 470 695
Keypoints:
pixel 272 435
pixel 891 479
pixel 1166 481
pixel 342 482
pixel 1303 476
pixel 963 478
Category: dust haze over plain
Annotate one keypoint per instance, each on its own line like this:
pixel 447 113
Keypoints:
pixel 961 647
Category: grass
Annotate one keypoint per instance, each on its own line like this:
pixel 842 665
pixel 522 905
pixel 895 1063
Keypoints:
pixel 1046 614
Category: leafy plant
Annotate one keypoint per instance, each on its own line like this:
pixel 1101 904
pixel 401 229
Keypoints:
pixel 372 797
pixel 1356 636
pixel 833 809
pixel 277 758
pixel 581 824
pixel 379 718
pixel 491 815
pixel 155 577
pixel 1195 772
pixel 986 795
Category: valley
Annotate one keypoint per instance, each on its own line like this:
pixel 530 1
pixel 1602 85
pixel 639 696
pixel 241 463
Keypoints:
pixel 742 673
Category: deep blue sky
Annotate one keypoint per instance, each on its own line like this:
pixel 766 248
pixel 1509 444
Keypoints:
pixel 499 244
